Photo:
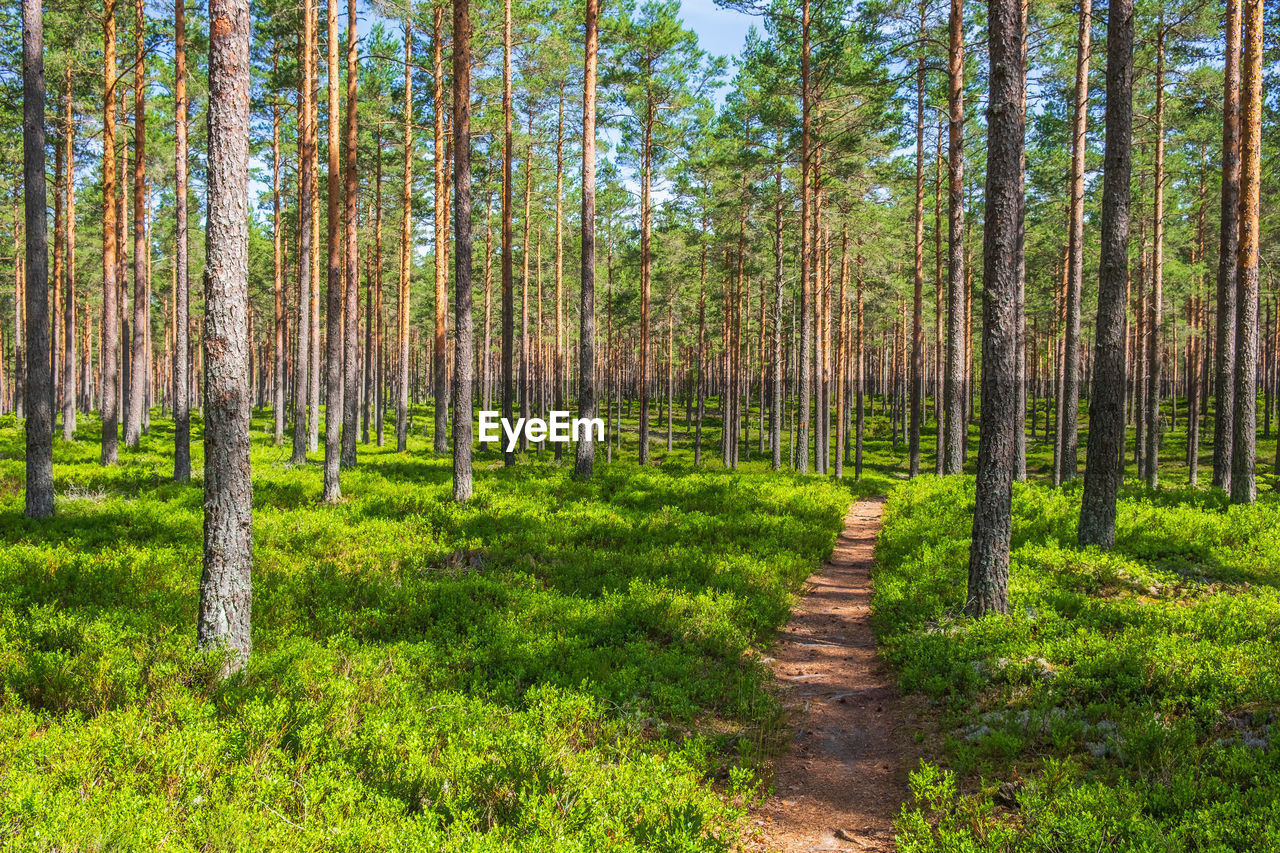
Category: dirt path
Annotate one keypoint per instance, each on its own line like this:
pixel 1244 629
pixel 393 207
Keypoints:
pixel 845 775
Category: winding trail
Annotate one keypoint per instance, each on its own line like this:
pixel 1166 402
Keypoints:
pixel 844 777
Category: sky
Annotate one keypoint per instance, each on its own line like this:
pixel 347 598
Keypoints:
pixel 720 31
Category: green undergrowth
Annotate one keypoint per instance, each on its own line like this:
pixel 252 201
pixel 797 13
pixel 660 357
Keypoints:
pixel 1128 701
pixel 557 665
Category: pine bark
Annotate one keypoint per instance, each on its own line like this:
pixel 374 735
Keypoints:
pixel 1155 315
pixel 1067 428
pixel 182 282
pixel 110 376
pixel 1228 253
pixel 1104 461
pixel 1000 419
pixel 464 346
pixel 69 286
pixel 917 304
pixel 333 279
pixel 803 356
pixel 586 307
pixel 779 362
pixel 558 350
pixel 277 248
pixel 351 309
pixel 39 379
pixel 439 366
pixel 225 584
pixel 956 423
pixel 406 238
pixel 138 361
pixel 646 224
pixel 508 272
pixel 1244 487
pixel 306 216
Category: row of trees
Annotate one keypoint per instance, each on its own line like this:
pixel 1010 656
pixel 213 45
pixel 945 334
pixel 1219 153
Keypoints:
pixel 796 195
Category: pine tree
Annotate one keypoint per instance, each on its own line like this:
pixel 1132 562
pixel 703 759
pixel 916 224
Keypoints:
pixel 225 584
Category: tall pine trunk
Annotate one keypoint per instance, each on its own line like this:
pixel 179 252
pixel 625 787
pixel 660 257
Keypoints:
pixel 1067 428
pixel 1104 460
pixel 138 361
pixel 586 305
pixel 956 422
pixel 306 214
pixel 406 257
pixel 803 355
pixel 439 366
pixel 39 380
pixel 1228 251
pixel 351 309
pixel 1244 487
pixel 464 346
pixel 333 279
pixel 110 230
pixel 277 249
pixel 69 299
pixel 917 304
pixel 1000 418
pixel 508 272
pixel 225 584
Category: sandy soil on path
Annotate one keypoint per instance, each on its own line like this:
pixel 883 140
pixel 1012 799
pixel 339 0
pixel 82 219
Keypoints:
pixel 844 777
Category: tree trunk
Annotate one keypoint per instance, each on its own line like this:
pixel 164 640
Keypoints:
pixel 1228 250
pixel 508 273
pixel 1067 427
pixel 110 237
pixel 859 376
pixel 277 247
pixel 587 304
pixel 39 385
pixel 141 315
pixel 306 214
pixel 956 422
pixel 334 290
pixel 938 310
pixel 406 258
pixel 1155 317
pixel 378 318
pixel 351 331
pixel 700 380
pixel 1020 436
pixel 1244 487
pixel 803 357
pixel 439 366
pixel 917 304
pixel 225 585
pixel 842 339
pixel 524 284
pixel 646 177
pixel 779 362
pixel 69 299
pixel 1104 461
pixel 486 351
pixel 1000 420
pixel 464 347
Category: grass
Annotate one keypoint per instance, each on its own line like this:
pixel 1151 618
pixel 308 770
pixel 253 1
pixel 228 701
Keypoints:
pixel 1129 700
pixel 576 666
pixel 555 666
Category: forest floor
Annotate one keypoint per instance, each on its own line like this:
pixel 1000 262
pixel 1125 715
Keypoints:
pixel 556 666
pixel 582 666
pixel 841 783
